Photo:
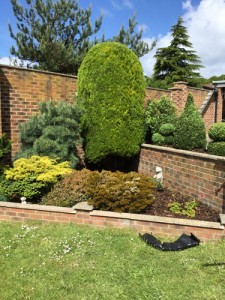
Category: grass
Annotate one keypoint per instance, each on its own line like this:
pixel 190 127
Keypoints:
pixel 55 261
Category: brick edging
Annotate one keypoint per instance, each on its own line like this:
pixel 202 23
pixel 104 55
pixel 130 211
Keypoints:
pixel 84 214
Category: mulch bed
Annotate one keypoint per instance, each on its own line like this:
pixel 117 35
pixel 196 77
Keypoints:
pixel 166 196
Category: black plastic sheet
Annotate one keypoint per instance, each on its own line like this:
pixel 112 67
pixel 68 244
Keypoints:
pixel 183 242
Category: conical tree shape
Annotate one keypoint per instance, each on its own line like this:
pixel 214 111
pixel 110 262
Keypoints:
pixel 177 62
pixel 190 130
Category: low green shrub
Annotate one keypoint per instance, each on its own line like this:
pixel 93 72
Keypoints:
pixel 120 192
pixel 158 139
pixel 188 208
pixel 32 177
pixel 217 132
pixel 169 140
pixel 159 112
pixel 167 129
pixel 216 148
pixel 68 191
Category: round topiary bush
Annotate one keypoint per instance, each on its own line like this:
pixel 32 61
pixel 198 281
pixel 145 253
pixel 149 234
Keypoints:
pixel 216 148
pixel 190 130
pixel 158 139
pixel 217 132
pixel 167 129
pixel 111 89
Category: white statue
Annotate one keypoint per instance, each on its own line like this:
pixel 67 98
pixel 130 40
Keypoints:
pixel 158 176
pixel 23 200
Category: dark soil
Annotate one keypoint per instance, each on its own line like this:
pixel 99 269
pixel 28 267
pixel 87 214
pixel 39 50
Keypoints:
pixel 166 196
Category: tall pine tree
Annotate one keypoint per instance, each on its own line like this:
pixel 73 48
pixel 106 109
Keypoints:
pixel 55 35
pixel 177 62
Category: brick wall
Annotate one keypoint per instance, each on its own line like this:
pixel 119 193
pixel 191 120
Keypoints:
pixel 161 226
pixel 201 176
pixel 23 89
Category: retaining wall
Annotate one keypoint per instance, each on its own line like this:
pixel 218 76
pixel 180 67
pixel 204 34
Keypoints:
pixel 84 214
pixel 199 175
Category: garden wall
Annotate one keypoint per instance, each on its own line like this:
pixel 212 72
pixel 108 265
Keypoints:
pixel 22 89
pixel 83 214
pixel 199 175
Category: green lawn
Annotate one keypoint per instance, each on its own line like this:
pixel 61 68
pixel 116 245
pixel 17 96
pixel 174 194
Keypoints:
pixel 53 261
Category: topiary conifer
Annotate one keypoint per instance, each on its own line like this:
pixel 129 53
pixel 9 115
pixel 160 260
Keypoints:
pixel 190 130
pixel 111 89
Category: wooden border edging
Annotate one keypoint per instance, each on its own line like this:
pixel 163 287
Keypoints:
pixel 82 213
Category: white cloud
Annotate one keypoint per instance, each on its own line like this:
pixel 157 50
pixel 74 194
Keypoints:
pixel 118 4
pixel 206 27
pixel 142 27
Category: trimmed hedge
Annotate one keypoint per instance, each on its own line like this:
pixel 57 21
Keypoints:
pixel 167 129
pixel 190 128
pixel 111 88
pixel 158 139
pixel 217 132
pixel 216 148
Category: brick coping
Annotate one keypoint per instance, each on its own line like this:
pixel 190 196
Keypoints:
pixel 184 152
pixel 84 207
pixel 37 70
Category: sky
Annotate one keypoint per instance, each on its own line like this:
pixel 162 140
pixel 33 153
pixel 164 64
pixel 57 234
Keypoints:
pixel 204 20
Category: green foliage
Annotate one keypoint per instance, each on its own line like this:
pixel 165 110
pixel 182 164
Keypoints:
pixel 54 133
pixel 158 139
pixel 190 128
pixel 188 208
pixel 56 35
pixel 177 62
pixel 216 148
pixel 111 93
pixel 5 147
pixel 32 177
pixel 157 113
pixel 217 132
pixel 120 192
pixel 68 191
pixel 167 129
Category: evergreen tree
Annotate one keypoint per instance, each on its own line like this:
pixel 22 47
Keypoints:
pixel 54 133
pixel 55 35
pixel 190 130
pixel 111 89
pixel 177 62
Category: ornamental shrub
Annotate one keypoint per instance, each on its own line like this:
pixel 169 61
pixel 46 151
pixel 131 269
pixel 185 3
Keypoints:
pixel 111 88
pixel 190 130
pixel 158 139
pixel 5 147
pixel 217 132
pixel 216 148
pixel 120 192
pixel 32 177
pixel 68 191
pixel 167 129
pixel 157 113
pixel 54 133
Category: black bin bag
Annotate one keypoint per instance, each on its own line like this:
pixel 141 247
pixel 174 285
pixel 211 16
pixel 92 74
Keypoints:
pixel 183 242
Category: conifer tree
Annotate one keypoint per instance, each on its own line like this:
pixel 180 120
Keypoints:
pixel 54 133
pixel 190 130
pixel 55 35
pixel 177 62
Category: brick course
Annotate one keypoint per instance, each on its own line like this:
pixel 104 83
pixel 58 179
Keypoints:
pixel 161 226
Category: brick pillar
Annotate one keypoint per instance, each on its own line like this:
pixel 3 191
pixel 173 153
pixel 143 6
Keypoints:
pixel 219 104
pixel 179 94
